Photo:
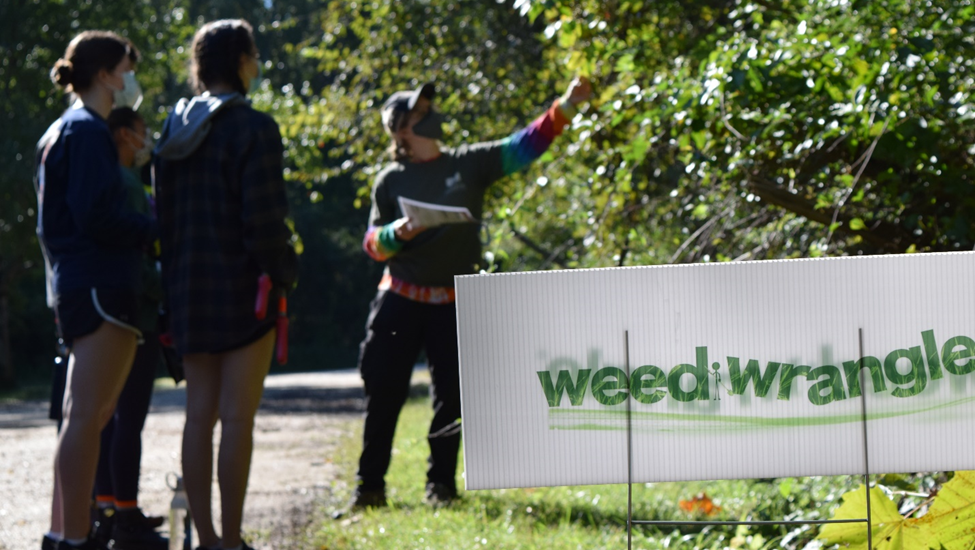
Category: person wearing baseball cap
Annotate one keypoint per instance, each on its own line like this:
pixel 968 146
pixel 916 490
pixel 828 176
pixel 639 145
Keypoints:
pixel 414 309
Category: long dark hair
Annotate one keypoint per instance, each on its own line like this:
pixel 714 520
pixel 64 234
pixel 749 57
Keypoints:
pixel 217 48
pixel 88 53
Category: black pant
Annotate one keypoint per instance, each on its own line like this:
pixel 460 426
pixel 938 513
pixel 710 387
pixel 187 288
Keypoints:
pixel 121 445
pixel 397 329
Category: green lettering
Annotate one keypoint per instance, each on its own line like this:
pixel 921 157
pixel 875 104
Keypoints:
pixel 915 376
pixel 829 386
pixel 951 356
pixel 760 381
pixel 853 369
pixel 700 373
pixel 610 379
pixel 790 372
pixel 648 376
pixel 576 390
pixel 931 350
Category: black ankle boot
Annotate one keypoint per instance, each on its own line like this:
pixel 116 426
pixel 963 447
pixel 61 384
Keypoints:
pixel 134 531
pixel 101 530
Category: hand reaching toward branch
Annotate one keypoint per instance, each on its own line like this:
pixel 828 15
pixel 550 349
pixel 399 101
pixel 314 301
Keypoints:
pixel 580 90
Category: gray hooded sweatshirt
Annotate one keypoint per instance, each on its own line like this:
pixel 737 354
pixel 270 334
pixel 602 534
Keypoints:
pixel 191 122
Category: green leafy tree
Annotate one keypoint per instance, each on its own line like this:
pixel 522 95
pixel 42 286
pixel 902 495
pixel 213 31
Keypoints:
pixel 492 75
pixel 33 35
pixel 722 130
pixel 747 130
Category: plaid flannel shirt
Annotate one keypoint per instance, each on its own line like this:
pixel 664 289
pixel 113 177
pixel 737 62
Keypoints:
pixel 222 223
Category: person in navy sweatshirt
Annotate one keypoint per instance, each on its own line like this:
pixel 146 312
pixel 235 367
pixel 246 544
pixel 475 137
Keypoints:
pixel 93 245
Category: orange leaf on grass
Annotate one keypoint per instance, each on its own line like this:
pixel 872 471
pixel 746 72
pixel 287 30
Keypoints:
pixel 699 504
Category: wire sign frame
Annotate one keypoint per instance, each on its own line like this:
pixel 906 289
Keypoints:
pixel 630 521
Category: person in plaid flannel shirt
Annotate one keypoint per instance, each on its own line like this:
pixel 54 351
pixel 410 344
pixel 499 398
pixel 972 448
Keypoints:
pixel 221 202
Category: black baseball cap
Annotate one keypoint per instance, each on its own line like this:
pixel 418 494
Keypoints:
pixel 402 102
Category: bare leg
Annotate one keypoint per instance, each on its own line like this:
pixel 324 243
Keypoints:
pixel 97 368
pixel 202 400
pixel 242 385
pixel 56 526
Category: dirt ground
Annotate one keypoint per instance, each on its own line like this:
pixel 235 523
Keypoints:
pixel 292 479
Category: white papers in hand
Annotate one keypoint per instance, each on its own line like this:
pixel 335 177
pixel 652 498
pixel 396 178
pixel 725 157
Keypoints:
pixel 427 214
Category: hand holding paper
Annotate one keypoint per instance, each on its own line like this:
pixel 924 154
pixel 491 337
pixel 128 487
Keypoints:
pixel 406 229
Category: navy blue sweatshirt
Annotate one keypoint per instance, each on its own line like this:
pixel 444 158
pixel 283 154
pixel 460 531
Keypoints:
pixel 91 238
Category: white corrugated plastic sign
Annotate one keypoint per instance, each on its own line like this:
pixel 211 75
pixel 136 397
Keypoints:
pixel 736 370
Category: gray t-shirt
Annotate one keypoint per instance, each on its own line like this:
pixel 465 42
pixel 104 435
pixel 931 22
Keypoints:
pixel 458 177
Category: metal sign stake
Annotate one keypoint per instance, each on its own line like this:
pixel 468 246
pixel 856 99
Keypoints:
pixel 630 522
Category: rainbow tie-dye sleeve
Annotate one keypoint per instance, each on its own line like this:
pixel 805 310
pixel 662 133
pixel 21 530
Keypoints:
pixel 380 242
pixel 522 147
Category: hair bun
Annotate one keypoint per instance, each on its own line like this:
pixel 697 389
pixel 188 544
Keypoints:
pixel 62 73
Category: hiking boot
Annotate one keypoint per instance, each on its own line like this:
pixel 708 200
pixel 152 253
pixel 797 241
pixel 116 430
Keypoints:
pixel 440 494
pixel 149 522
pixel 243 546
pixel 154 522
pixel 362 499
pixel 133 531
pixel 101 530
pixel 47 543
pixel 89 544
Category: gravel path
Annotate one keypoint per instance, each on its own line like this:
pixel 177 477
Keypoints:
pixel 297 427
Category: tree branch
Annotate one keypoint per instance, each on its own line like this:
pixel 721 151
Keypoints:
pixel 550 257
pixel 884 236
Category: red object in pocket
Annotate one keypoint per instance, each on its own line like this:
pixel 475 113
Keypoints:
pixel 282 347
pixel 263 293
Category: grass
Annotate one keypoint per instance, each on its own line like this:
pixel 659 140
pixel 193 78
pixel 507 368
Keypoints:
pixel 583 517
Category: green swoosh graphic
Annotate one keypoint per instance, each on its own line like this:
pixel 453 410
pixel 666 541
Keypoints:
pixel 604 420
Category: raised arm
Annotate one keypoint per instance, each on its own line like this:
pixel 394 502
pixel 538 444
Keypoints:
pixel 503 157
pixel 524 146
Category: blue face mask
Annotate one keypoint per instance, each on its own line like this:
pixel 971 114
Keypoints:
pixel 430 126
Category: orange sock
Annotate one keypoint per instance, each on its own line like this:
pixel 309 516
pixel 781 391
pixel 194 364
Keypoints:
pixel 105 501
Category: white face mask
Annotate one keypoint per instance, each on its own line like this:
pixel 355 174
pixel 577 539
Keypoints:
pixel 131 93
pixel 143 155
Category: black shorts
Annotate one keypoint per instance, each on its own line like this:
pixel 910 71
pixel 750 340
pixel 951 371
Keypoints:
pixel 81 312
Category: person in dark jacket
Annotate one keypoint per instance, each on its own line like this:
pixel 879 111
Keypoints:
pixel 93 245
pixel 119 517
pixel 414 308
pixel 221 202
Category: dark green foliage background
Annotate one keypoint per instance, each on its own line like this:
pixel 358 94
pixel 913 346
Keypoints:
pixel 721 130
